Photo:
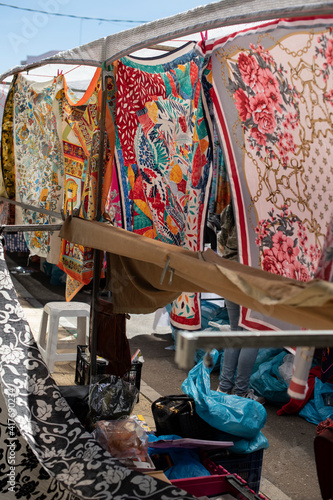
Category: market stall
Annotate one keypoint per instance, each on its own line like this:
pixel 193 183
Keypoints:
pixel 188 104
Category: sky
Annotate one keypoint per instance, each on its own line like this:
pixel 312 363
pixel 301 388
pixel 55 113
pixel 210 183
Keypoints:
pixel 26 33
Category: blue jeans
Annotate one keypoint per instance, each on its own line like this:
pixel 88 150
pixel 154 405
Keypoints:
pixel 240 360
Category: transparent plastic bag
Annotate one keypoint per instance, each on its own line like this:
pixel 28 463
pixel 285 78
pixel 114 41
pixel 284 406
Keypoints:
pixel 286 369
pixel 125 439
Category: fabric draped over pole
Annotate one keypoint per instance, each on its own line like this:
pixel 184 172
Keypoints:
pixel 137 265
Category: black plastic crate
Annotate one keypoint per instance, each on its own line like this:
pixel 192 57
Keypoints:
pixel 133 376
pixel 248 465
pixel 83 366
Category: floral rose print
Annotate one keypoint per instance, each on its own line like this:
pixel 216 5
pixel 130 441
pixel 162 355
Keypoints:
pixel 27 426
pixel 36 386
pixel 115 475
pixel 5 280
pixel 73 474
pixel 282 243
pixel 9 354
pixel 325 52
pixel 43 409
pixel 266 104
pixel 148 485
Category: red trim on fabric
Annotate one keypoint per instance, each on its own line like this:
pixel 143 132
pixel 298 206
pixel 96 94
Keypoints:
pixel 234 177
pixel 206 47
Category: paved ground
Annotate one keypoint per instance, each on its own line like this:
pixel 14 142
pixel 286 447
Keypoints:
pixel 288 467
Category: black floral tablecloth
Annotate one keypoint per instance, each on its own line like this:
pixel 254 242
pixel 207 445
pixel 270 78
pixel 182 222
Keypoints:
pixel 45 453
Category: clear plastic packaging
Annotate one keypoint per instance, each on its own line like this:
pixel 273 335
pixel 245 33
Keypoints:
pixel 126 440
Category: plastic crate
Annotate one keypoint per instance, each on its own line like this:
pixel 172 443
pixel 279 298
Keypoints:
pixel 216 485
pixel 83 366
pixel 248 466
pixel 133 376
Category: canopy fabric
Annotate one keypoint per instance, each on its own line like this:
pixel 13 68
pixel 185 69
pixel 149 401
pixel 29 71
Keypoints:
pixel 145 265
pixel 214 15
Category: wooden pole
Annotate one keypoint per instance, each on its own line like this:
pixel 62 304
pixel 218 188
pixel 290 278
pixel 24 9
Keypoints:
pixel 98 253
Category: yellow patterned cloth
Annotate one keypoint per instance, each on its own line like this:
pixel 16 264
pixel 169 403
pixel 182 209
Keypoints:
pixel 7 144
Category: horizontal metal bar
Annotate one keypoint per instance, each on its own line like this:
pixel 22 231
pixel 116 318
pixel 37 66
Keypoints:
pixel 31 227
pixel 189 342
pixel 32 208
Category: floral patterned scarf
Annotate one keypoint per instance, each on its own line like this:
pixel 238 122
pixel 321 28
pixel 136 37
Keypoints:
pixel 273 91
pixel 164 156
pixel 39 166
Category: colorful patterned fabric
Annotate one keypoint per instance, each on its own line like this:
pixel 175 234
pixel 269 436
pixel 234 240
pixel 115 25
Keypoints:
pixel 39 166
pixel 164 155
pixel 112 198
pixel 79 125
pixel 273 101
pixel 7 143
pixel 112 210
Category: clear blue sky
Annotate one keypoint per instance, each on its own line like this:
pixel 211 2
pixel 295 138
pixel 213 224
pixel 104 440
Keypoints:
pixel 24 33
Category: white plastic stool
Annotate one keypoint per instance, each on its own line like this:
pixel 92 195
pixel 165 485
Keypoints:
pixel 53 311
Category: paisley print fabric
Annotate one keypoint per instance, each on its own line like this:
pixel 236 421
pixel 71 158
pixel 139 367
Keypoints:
pixel 273 100
pixel 77 464
pixel 164 155
pixel 7 143
pixel 39 165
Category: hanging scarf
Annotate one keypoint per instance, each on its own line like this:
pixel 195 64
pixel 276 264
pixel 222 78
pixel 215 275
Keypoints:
pixel 79 125
pixel 164 156
pixel 272 97
pixel 39 166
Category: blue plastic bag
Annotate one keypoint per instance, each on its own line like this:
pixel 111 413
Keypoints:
pixel 186 462
pixel 232 414
pixel 267 381
pixel 266 354
pixel 242 445
pixel 316 410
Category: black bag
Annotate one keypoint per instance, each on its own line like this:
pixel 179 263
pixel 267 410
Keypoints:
pixel 177 415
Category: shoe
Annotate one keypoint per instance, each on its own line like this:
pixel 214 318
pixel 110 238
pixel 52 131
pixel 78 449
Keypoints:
pixel 223 392
pixel 250 395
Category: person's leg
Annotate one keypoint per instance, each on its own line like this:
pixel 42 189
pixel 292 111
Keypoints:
pixel 246 360
pixel 230 356
pixel 233 313
pixel 230 360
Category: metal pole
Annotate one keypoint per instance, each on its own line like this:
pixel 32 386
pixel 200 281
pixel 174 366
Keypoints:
pixel 97 253
pixel 32 208
pixel 31 227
